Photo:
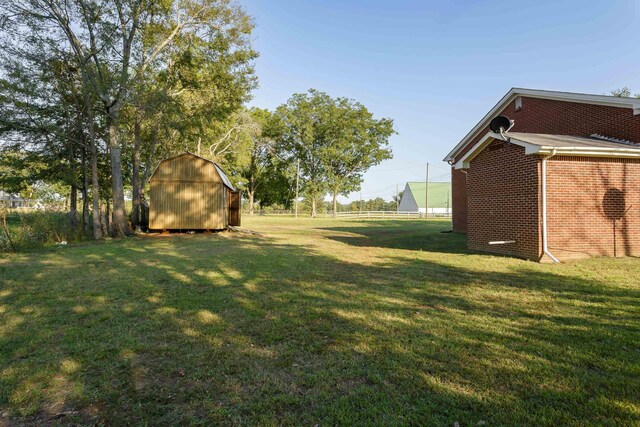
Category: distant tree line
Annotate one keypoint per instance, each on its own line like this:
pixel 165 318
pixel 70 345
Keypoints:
pixel 93 93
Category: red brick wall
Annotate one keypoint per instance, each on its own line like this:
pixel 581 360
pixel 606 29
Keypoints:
pixel 459 199
pixel 584 195
pixel 572 118
pixel 503 187
pixel 553 117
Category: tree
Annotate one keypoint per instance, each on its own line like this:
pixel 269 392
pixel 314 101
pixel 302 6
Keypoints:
pixel 277 185
pixel 335 140
pixel 305 122
pixel 397 199
pixel 42 112
pixel 263 138
pixel 357 142
pixel 116 45
pixel 624 92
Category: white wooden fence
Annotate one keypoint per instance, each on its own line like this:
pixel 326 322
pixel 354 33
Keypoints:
pixel 356 214
pixel 387 215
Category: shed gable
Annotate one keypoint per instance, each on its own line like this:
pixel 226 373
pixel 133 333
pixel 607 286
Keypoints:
pixel 186 167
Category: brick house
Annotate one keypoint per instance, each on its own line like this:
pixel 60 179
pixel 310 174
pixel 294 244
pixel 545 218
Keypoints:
pixel 563 182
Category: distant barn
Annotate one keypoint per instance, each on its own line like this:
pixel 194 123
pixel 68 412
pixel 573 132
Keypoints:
pixel 189 192
pixel 414 195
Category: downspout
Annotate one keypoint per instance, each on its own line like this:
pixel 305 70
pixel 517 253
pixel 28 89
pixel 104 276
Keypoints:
pixel 545 248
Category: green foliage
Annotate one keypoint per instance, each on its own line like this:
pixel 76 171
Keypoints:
pixel 266 176
pixel 306 120
pixel 334 140
pixel 377 204
pixel 278 184
pixel 131 78
pixel 357 142
pixel 624 92
pixel 37 229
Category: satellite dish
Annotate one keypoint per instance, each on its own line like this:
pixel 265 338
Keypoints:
pixel 501 124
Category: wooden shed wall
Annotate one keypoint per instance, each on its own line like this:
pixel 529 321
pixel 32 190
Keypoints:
pixel 187 193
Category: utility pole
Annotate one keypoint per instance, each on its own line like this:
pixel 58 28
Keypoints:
pixel 397 200
pixel 297 185
pixel 448 195
pixel 426 194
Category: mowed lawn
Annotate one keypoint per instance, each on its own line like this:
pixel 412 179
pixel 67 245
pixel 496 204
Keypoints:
pixel 316 323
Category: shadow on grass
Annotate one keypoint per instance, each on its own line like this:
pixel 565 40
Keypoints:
pixel 248 330
pixel 413 235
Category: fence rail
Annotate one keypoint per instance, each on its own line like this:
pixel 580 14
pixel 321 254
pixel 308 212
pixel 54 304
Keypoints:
pixel 388 215
pixel 355 214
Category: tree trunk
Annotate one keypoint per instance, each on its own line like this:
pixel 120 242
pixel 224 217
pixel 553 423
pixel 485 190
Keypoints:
pixel 149 167
pixel 95 185
pixel 85 192
pixel 119 216
pixel 251 193
pixel 109 221
pixel 102 217
pixel 135 179
pixel 95 190
pixel 313 207
pixel 251 207
pixel 73 206
pixel 73 193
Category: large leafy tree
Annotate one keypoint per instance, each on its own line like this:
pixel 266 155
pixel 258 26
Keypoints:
pixel 196 52
pixel 357 141
pixel 306 119
pixel 335 142
pixel 41 118
pixel 261 166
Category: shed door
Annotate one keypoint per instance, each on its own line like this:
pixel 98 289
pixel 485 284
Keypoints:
pixel 235 198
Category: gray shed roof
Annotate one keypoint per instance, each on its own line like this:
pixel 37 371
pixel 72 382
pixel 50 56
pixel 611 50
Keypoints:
pixel 561 145
pixel 225 178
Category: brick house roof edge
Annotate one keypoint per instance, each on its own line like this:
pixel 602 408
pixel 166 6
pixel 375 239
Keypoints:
pixel 547 144
pixel 623 102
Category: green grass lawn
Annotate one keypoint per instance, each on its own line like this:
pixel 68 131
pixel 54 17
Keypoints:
pixel 316 322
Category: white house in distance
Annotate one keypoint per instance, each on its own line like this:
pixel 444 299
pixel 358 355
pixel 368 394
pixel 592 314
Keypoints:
pixel 13 201
pixel 414 193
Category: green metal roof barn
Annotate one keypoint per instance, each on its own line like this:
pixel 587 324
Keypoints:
pixel 413 197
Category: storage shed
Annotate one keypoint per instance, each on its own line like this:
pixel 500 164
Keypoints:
pixel 189 192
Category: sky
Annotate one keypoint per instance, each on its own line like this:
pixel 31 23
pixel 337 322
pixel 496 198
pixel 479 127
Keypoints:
pixel 437 67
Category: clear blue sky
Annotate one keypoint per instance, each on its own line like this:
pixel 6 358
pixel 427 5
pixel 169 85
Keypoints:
pixel 436 67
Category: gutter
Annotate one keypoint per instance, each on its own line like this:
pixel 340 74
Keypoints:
pixel 587 151
pixel 545 248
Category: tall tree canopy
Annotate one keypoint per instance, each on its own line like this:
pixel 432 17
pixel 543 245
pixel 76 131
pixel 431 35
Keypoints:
pixel 357 141
pixel 335 142
pixel 134 72
pixel 305 120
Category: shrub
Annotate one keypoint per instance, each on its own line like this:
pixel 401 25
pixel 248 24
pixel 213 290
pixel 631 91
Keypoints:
pixel 32 230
